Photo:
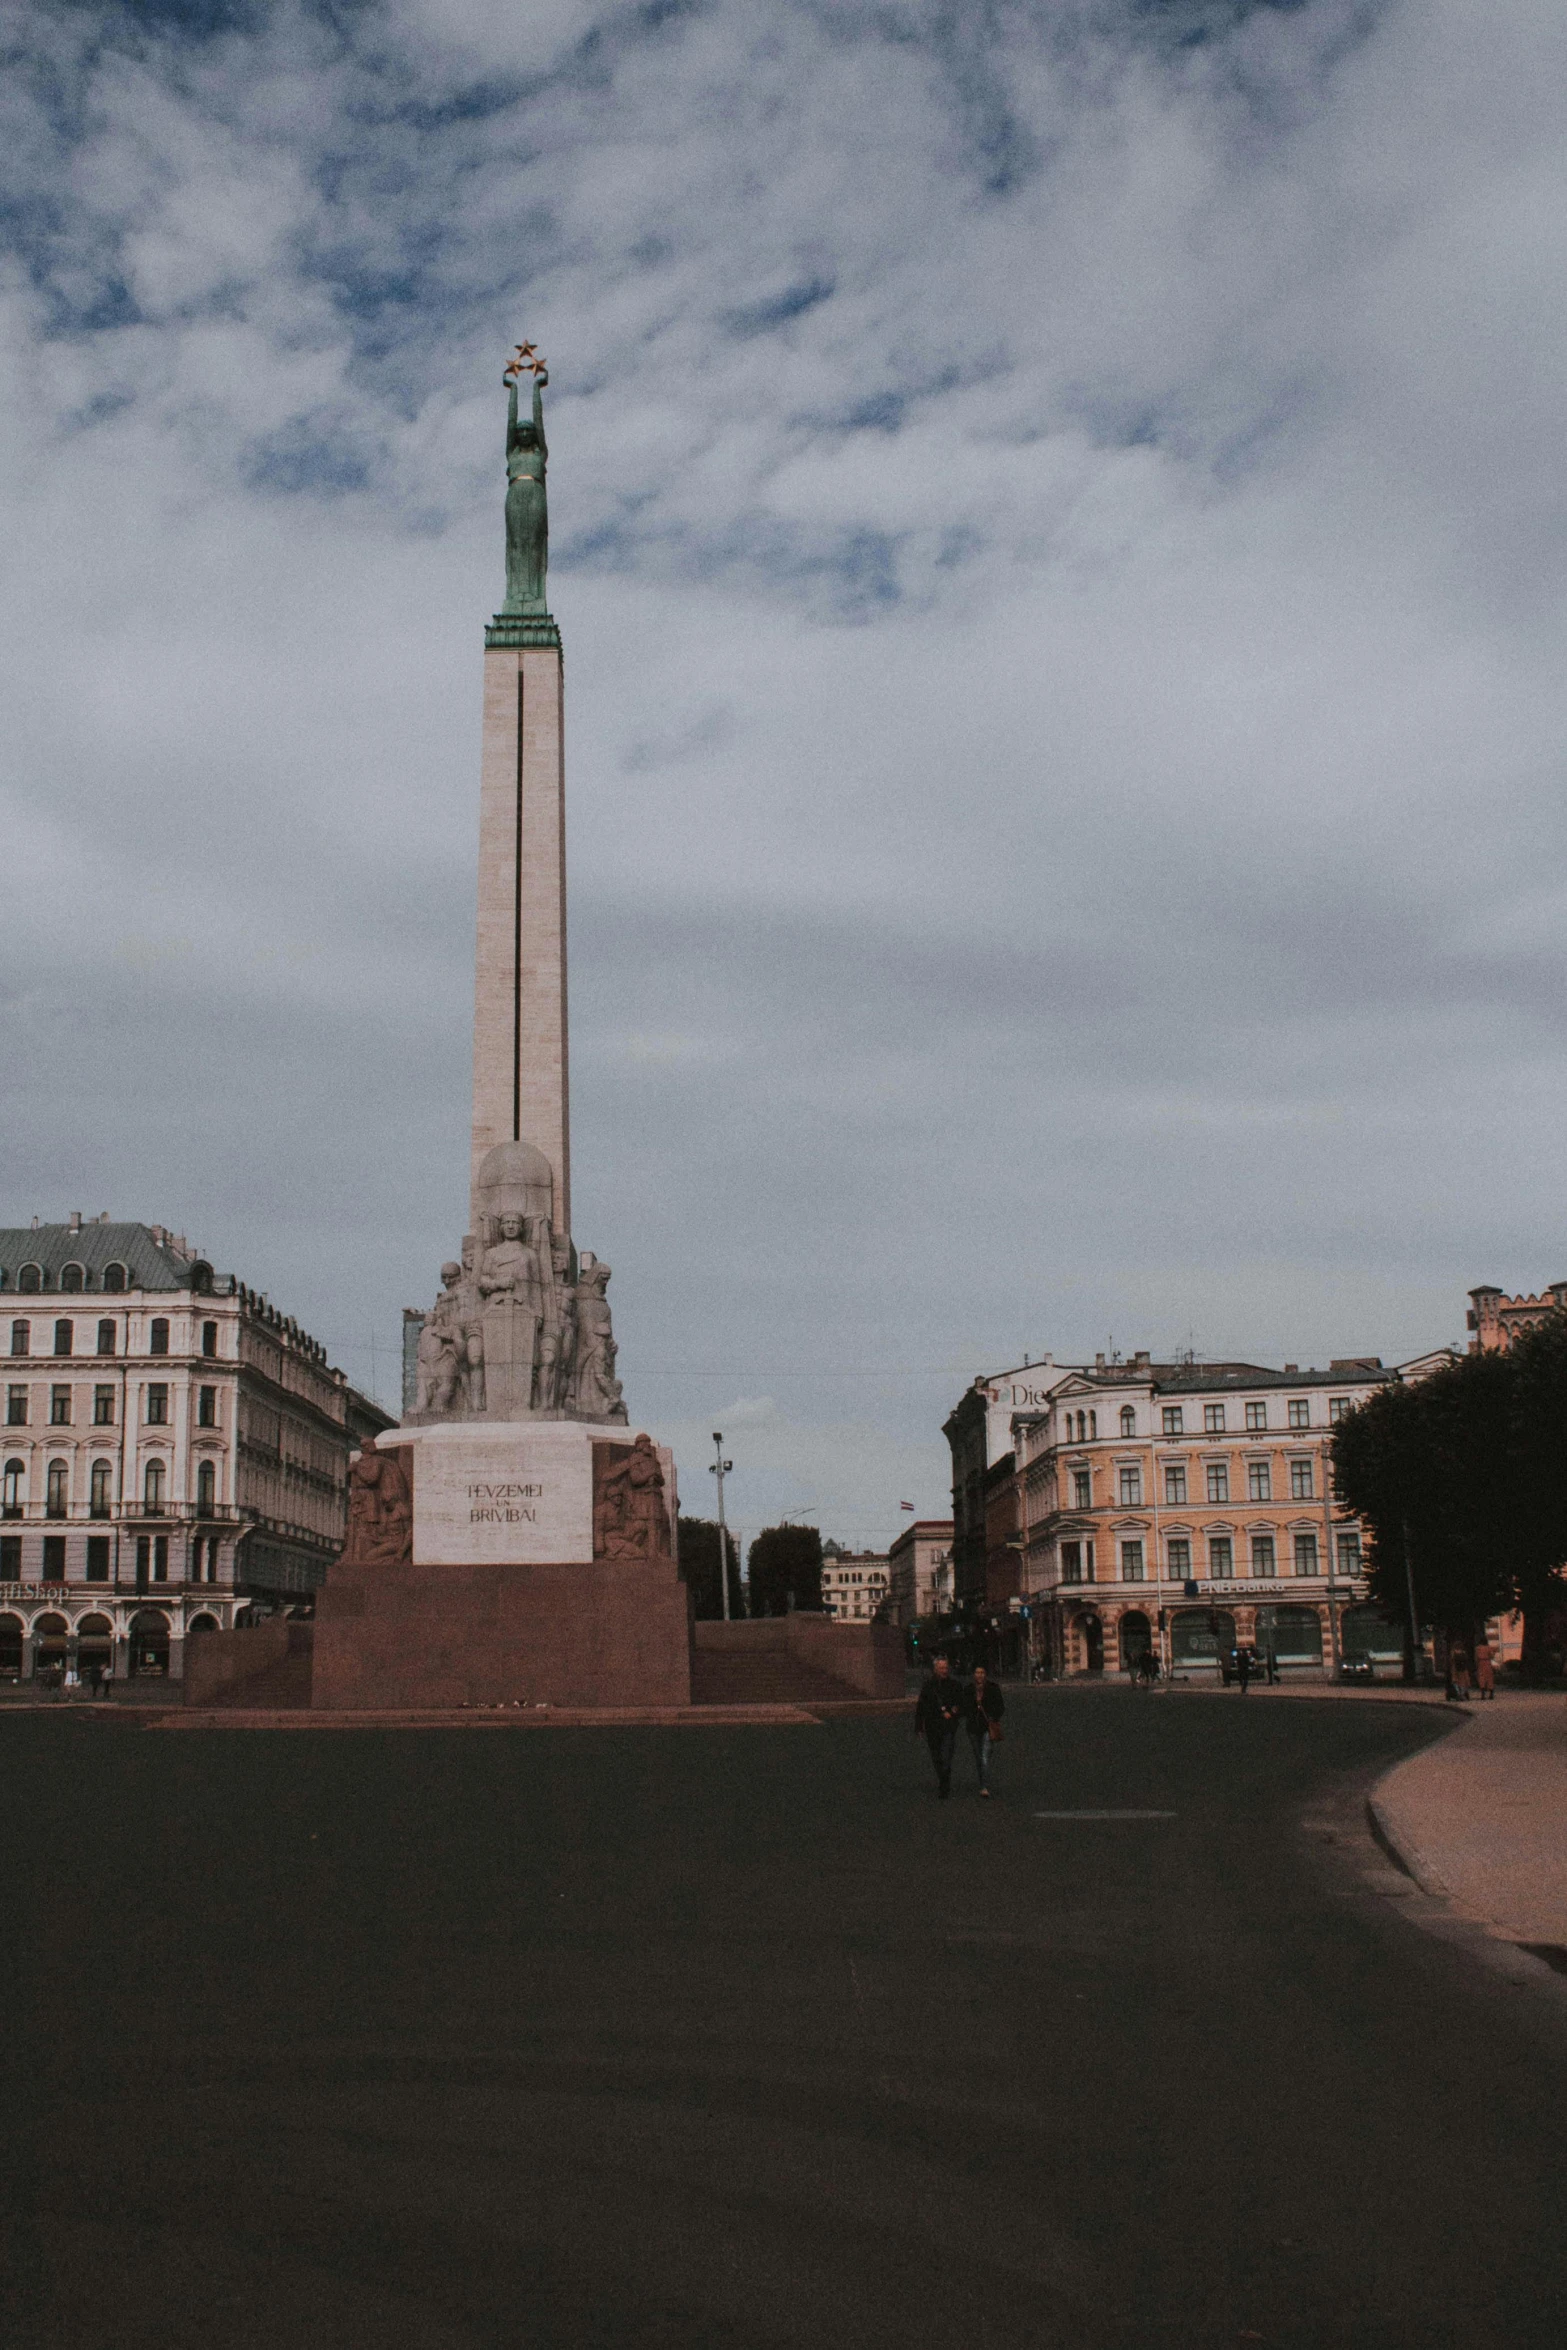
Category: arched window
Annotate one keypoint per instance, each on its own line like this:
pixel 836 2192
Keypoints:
pixel 102 1475
pixel 15 1477
pixel 153 1489
pixel 59 1480
pixel 207 1488
pixel 30 1278
pixel 1128 1420
pixel 158 1338
pixel 114 1279
pixel 71 1279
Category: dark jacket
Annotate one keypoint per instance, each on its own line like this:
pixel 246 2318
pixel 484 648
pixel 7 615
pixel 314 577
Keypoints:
pixel 995 1706
pixel 940 1704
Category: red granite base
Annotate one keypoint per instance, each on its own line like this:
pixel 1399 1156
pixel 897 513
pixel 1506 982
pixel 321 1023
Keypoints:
pixel 611 1634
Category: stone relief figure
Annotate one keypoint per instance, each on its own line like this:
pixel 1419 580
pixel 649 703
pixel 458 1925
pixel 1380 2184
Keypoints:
pixel 558 1342
pixel 442 1349
pixel 527 512
pixel 380 1509
pixel 469 1320
pixel 512 1292
pixel 630 1516
pixel 596 1392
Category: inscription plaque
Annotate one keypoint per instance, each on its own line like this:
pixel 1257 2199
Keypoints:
pixel 518 1495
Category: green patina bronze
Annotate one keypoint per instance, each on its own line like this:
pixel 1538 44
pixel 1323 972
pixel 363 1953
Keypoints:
pixel 524 618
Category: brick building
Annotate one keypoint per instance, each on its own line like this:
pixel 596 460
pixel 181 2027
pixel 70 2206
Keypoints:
pixel 1496 1320
pixel 174 1449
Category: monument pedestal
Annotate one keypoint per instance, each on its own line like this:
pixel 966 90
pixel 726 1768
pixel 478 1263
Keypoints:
pixel 496 1563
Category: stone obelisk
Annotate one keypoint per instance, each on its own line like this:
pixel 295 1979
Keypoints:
pixel 520 1085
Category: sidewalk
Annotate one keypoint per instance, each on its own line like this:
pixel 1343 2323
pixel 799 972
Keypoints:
pixel 1482 1817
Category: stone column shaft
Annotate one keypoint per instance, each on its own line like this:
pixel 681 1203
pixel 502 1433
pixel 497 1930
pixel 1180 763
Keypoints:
pixel 519 1018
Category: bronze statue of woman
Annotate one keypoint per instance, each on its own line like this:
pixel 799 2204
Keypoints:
pixel 527 513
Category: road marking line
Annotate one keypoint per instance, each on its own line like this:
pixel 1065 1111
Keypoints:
pixel 1104 1815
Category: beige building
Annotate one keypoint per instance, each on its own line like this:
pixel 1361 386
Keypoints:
pixel 854 1583
pixel 1189 1507
pixel 174 1449
pixel 920 1569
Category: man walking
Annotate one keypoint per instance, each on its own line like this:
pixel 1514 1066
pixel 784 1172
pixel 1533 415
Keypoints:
pixel 983 1707
pixel 936 1719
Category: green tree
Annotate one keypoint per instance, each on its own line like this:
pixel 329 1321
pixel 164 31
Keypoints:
pixel 786 1569
pixel 697 1540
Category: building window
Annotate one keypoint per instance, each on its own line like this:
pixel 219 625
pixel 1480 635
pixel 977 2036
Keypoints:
pixel 30 1280
pixel 1213 1419
pixel 103 1407
pixel 158 1337
pixel 97 1558
pixel 1131 1489
pixel 1349 1555
pixel 157 1405
pixel 59 1407
pixel 102 1474
pixel 1131 1562
pixel 72 1282
pixel 15 1473
pixel 1175 1481
pixel 1300 1411
pixel 1128 1420
pixel 1180 1558
pixel 114 1279
pixel 1082 1488
pixel 153 1489
pixel 1218 1476
pixel 64 1336
pixel 1221 1558
pixel 1256 1415
pixel 21 1338
pixel 209 1338
pixel 1262 1560
pixel 1259 1481
pixel 1339 1407
pixel 160 1558
pixel 54 1558
pixel 55 1492
pixel 1305 1554
pixel 1174 1424
pixel 10 1558
pixel 106 1338
pixel 1301 1485
pixel 1071 1562
pixel 16 1407
pixel 206 1407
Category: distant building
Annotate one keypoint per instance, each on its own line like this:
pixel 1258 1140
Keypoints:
pixel 174 1449
pixel 854 1582
pixel 1498 1321
pixel 919 1565
pixel 979 1434
pixel 1189 1506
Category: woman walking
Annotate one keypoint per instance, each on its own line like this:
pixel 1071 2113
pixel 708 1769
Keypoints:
pixel 983 1707
pixel 1485 1668
pixel 1460 1672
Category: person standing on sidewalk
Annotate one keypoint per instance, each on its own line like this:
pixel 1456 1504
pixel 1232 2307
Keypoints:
pixel 983 1707
pixel 1460 1671
pixel 1485 1668
pixel 1243 1668
pixel 936 1716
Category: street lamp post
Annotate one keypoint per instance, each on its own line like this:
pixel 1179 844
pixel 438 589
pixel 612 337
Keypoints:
pixel 720 1469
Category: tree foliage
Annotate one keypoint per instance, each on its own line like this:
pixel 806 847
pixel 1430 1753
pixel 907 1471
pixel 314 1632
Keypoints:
pixel 786 1569
pixel 1465 1475
pixel 697 1540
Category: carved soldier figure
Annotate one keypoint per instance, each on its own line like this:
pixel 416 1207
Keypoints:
pixel 380 1510
pixel 630 1519
pixel 596 1392
pixel 441 1348
pixel 558 1344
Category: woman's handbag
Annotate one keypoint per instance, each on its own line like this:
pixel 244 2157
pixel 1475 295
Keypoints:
pixel 995 1732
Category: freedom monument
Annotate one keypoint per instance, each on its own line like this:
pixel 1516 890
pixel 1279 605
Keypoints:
pixel 511 1540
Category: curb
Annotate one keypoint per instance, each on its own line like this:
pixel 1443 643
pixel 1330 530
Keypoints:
pixel 1404 1853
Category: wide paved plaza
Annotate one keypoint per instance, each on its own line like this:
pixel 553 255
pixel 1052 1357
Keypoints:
pixel 736 2037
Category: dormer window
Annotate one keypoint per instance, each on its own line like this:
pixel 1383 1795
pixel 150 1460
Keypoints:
pixel 30 1279
pixel 73 1280
pixel 114 1279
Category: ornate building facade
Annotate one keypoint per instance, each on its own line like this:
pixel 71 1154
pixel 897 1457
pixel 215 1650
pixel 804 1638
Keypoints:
pixel 919 1566
pixel 854 1583
pixel 174 1450
pixel 1496 1320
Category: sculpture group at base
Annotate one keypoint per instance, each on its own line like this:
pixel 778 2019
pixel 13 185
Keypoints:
pixel 521 1329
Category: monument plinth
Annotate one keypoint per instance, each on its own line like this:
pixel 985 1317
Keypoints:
pixel 511 1541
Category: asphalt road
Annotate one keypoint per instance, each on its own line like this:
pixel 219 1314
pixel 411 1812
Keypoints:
pixel 738 2038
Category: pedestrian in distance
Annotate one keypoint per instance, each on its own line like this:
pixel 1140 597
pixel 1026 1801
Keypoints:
pixel 1485 1669
pixel 936 1716
pixel 1270 1658
pixel 1243 1668
pixel 1460 1670
pixel 983 1707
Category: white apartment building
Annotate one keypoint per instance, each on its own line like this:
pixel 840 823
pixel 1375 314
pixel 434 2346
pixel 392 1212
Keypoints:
pixel 920 1568
pixel 854 1583
pixel 173 1448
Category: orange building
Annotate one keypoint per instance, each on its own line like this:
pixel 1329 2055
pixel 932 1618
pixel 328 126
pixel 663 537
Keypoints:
pixel 1497 1321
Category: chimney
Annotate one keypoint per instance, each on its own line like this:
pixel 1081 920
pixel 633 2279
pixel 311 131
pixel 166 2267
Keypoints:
pixel 157 1233
pixel 1099 1362
pixel 1142 1360
pixel 1291 1370
pixel 104 1218
pixel 76 1219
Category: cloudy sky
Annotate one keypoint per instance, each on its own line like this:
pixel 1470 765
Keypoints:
pixel 1057 525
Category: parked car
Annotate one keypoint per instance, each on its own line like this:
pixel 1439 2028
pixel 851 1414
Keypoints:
pixel 1357 1668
